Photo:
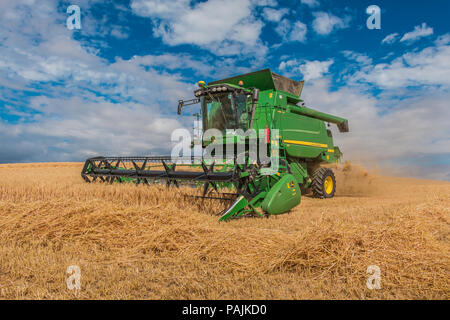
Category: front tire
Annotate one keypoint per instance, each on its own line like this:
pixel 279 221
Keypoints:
pixel 323 183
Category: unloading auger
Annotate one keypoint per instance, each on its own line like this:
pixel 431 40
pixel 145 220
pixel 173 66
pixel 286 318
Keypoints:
pixel 294 138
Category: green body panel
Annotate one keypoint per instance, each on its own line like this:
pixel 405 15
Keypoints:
pixel 238 206
pixel 266 80
pixel 304 137
pixel 283 196
pixel 341 122
pixel 300 172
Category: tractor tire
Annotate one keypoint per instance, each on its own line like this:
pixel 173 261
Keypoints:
pixel 323 183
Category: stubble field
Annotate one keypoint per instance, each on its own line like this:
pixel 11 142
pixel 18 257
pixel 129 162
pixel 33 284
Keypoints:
pixel 154 243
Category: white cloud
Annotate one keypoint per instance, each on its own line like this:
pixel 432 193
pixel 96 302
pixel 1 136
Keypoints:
pixel 407 125
pixel 119 33
pixel 430 66
pixel 443 40
pixel 265 3
pixel 324 23
pixel 288 65
pixel 283 28
pixel 76 128
pixel 274 15
pixel 418 32
pixel 224 28
pixel 56 123
pixel 298 32
pixel 402 130
pixel 311 70
pixel 160 8
pixel 361 59
pixel 406 130
pixel 391 38
pixel 292 31
pixel 311 3
pixel 84 105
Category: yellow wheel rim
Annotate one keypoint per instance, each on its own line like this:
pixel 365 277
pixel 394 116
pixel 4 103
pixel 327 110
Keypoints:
pixel 328 185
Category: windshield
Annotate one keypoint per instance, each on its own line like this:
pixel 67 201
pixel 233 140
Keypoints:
pixel 224 111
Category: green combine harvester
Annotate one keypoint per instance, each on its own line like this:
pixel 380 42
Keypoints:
pixel 293 140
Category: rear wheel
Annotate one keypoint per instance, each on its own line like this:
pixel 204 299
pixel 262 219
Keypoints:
pixel 323 183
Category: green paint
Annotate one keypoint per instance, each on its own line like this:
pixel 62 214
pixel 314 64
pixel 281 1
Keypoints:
pixel 283 196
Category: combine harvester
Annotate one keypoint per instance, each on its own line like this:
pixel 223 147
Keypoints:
pixel 294 139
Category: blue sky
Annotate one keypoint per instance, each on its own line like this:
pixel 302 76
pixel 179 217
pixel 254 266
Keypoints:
pixel 112 87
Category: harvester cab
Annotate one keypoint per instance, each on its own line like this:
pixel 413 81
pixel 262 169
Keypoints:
pixel 261 109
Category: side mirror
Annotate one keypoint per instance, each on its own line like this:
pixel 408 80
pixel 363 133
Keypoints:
pixel 180 105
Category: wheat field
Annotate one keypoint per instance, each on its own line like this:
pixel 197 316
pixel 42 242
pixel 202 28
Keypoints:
pixel 138 242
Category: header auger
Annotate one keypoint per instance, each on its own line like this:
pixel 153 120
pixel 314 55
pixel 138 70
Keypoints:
pixel 264 173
